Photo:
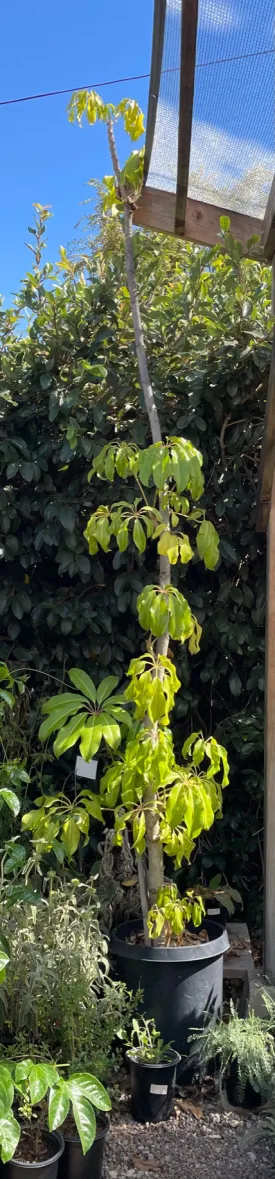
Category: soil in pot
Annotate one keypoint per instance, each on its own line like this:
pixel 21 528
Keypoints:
pixel 35 1156
pixel 152 1087
pixel 182 985
pixel 73 1163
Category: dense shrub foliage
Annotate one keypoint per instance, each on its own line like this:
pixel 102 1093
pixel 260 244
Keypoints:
pixel 69 382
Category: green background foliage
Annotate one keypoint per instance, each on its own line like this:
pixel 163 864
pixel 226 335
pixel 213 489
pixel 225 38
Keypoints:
pixel 68 384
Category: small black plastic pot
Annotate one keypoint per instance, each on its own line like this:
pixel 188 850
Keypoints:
pixel 216 912
pixel 250 1098
pixel 44 1170
pixel 182 985
pixel 152 1087
pixel 76 1165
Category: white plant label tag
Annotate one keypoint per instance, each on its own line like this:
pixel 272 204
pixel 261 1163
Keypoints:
pixel 161 1090
pixel 213 912
pixel 85 769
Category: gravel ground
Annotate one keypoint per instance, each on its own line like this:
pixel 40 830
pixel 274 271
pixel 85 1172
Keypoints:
pixel 207 1147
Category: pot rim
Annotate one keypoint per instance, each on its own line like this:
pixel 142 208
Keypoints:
pixel 45 1162
pixel 175 1059
pixel 101 1131
pixel 214 948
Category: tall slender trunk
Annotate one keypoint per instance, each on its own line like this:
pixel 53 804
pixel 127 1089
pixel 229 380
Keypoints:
pixel 155 876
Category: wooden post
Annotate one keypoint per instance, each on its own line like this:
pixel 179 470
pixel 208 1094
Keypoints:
pixel 269 915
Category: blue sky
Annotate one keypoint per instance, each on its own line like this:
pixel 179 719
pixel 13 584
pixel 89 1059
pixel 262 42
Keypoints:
pixel 56 45
pixel 47 47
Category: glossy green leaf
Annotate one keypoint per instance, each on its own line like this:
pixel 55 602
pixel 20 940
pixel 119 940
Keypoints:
pixel 106 687
pixel 70 734
pixel 9 1136
pixel 93 805
pixel 70 837
pixel 139 537
pixel 90 1087
pixel 91 737
pixel 208 544
pixel 11 800
pixel 85 1121
pixel 59 1105
pixel 83 683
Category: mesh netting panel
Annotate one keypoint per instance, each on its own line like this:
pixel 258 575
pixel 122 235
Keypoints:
pixel 232 158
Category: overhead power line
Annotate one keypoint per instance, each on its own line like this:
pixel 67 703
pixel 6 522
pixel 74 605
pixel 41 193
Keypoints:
pixel 132 78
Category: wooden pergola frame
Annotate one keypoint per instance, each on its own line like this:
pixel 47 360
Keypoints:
pixel 199 222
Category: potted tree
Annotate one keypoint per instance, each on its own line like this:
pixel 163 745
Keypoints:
pixel 166 804
pixel 153 1067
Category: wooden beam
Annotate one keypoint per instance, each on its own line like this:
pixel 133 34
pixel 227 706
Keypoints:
pixel 269 854
pixel 189 22
pixel 157 210
pixel 155 76
pixel 267 460
pixel 268 230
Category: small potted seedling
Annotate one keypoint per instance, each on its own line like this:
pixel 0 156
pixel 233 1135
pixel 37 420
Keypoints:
pixel 220 899
pixel 72 1105
pixel 32 1092
pixel 243 1054
pixel 153 1067
pixel 26 1144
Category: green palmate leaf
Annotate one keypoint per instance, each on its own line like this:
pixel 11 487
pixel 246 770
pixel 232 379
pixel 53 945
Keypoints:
pixel 168 546
pixel 180 623
pixel 83 682
pixel 123 538
pixel 159 615
pixel 63 699
pixel 157 704
pixel 185 551
pixel 93 805
pixel 91 736
pixel 208 544
pixel 176 805
pixel 11 800
pixel 139 828
pixel 82 819
pixel 59 1105
pixel 70 837
pixel 91 1088
pixel 68 736
pixel 139 537
pixel 194 641
pixel 9 1136
pixel 146 465
pixel 56 720
pixel 85 1121
pixel 110 731
pixel 106 687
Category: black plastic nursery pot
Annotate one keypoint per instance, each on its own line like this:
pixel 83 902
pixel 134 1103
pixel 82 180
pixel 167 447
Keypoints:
pixel 249 1099
pixel 216 912
pixel 152 1087
pixel 182 985
pixel 44 1170
pixel 76 1165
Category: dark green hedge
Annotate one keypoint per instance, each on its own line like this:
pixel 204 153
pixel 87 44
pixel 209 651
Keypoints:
pixel 66 386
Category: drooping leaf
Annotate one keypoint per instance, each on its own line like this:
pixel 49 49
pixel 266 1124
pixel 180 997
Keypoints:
pixel 208 544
